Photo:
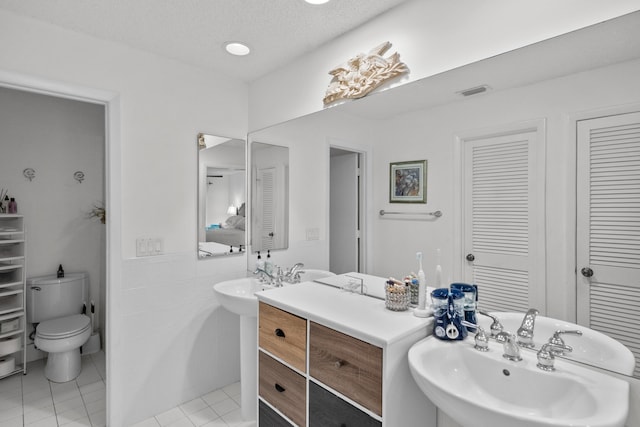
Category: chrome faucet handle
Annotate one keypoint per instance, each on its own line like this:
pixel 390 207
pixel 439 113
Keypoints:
pixel 558 342
pixel 496 327
pixel 546 356
pixel 481 339
pixel 525 331
pixel 511 349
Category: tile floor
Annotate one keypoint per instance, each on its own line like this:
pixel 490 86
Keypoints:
pixel 31 400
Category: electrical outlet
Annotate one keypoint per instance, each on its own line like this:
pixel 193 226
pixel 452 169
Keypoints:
pixel 141 247
pixel 313 233
pixel 149 246
pixel 158 246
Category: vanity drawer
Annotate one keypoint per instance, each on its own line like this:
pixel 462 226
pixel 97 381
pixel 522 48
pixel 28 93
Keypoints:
pixel 348 365
pixel 267 417
pixel 283 388
pixel 284 335
pixel 328 410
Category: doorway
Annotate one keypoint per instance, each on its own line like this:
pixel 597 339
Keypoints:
pixel 502 219
pixel 111 242
pixel 345 211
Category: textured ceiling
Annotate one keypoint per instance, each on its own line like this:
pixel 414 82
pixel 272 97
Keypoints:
pixel 193 31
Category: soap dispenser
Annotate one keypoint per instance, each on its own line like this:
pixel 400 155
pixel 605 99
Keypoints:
pixel 60 273
pixel 260 262
pixel 268 264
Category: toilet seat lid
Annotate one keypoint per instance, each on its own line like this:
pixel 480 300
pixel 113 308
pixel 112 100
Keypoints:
pixel 63 327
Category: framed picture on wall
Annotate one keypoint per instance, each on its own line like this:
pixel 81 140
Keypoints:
pixel 408 182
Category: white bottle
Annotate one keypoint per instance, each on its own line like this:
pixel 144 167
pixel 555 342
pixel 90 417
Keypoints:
pixel 438 279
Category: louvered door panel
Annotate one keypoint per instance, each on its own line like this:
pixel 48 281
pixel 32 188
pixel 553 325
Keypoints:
pixel 499 197
pixel 608 227
pixel 267 177
pixel 500 220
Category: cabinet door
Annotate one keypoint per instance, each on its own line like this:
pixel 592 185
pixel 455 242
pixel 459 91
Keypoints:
pixel 348 365
pixel 328 410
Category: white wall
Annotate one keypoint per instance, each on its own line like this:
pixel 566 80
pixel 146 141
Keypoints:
pixel 56 137
pixel 169 339
pixel 432 37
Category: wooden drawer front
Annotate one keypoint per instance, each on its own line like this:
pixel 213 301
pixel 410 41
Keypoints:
pixel 328 410
pixel 284 388
pixel 267 417
pixel 348 365
pixel 283 335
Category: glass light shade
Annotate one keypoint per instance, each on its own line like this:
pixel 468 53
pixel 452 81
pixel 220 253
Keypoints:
pixel 236 48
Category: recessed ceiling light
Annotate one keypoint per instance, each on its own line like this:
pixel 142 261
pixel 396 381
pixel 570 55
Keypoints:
pixel 317 1
pixel 237 48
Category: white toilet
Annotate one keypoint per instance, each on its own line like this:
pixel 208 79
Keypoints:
pixel 55 305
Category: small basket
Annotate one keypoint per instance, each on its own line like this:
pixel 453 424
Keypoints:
pixel 397 297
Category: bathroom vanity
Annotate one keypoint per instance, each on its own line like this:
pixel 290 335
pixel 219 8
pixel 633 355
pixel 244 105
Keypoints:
pixel 328 357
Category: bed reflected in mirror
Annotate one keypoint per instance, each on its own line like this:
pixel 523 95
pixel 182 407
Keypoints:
pixel 221 196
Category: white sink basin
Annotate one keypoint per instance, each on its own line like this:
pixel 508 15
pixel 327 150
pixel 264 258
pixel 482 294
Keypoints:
pixel 479 389
pixel 238 296
pixel 593 347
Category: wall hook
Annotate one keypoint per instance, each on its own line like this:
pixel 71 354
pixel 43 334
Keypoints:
pixel 79 176
pixel 29 173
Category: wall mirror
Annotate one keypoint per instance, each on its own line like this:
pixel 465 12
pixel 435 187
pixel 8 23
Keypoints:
pixel 221 196
pixel 269 197
pixel 306 135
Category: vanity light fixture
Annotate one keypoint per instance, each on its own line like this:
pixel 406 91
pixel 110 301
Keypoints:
pixel 237 48
pixel 317 2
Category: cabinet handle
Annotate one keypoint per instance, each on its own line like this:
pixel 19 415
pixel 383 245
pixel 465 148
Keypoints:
pixel 339 364
pixel 279 333
pixel 279 388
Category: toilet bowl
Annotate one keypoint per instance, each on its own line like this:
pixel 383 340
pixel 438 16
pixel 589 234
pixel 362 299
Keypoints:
pixel 62 338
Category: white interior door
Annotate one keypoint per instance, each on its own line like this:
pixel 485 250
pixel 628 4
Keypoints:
pixel 503 219
pixel 608 227
pixel 344 197
pixel 266 229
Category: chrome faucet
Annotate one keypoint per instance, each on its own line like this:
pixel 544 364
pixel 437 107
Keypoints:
pixel 511 348
pixel 293 274
pixel 481 339
pixel 525 331
pixel 273 280
pixel 558 342
pixel 546 357
pixel 496 327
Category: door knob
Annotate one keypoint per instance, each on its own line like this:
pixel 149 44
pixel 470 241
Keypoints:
pixel 586 272
pixel 471 257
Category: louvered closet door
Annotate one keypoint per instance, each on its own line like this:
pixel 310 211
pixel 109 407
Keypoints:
pixel 504 221
pixel 266 195
pixel 608 228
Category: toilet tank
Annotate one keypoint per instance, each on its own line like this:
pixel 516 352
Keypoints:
pixel 49 297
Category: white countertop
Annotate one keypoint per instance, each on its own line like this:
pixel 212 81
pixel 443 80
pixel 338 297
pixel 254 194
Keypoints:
pixel 360 316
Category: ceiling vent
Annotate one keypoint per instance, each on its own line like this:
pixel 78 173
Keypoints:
pixel 474 90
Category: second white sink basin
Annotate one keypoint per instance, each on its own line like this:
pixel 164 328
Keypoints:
pixel 238 296
pixel 479 389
